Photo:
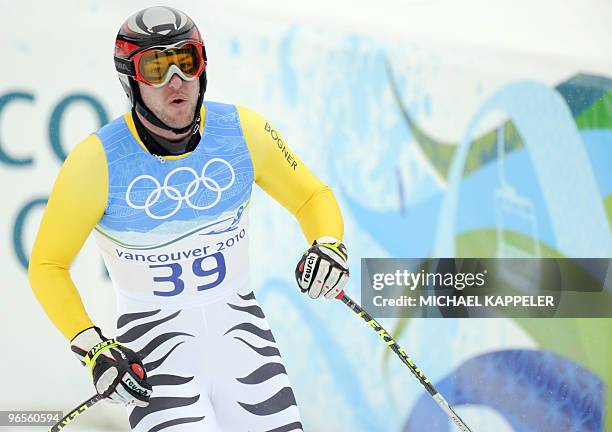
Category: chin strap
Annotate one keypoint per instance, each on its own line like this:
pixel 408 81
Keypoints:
pixel 154 147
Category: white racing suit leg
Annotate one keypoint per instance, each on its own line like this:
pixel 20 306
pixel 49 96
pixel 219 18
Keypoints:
pixel 251 389
pixel 213 367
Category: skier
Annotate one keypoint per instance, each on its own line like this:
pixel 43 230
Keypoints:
pixel 165 189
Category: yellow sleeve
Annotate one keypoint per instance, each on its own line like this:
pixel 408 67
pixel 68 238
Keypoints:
pixel 76 204
pixel 286 179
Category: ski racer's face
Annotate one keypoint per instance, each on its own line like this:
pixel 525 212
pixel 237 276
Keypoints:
pixel 174 103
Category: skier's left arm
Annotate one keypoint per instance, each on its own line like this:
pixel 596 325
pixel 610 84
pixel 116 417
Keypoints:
pixel 323 269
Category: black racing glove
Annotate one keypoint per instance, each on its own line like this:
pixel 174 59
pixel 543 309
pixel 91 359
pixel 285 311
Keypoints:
pixel 323 269
pixel 118 373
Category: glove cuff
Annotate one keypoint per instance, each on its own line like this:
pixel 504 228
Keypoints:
pixel 336 246
pixel 327 239
pixel 83 342
pixel 93 354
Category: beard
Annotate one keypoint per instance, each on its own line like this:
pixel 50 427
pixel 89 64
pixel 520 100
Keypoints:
pixel 176 118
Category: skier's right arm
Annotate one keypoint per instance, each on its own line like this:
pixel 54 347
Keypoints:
pixel 76 204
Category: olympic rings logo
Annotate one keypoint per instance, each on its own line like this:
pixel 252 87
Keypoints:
pixel 174 194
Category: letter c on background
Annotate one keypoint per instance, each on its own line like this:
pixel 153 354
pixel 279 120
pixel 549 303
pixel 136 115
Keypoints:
pixel 4 101
pixel 55 122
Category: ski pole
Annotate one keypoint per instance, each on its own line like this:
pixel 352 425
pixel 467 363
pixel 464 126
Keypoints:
pixel 74 413
pixel 390 342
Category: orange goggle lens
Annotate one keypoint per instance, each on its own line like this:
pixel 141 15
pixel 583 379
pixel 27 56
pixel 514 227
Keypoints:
pixel 154 64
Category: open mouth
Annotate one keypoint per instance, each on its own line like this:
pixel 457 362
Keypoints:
pixel 177 101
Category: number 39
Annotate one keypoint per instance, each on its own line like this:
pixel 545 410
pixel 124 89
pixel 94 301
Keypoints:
pixel 198 269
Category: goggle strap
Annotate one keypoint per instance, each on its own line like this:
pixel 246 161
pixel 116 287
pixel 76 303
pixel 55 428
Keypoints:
pixel 124 66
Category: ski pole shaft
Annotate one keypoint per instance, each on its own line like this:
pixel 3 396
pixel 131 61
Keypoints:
pixel 390 342
pixel 74 413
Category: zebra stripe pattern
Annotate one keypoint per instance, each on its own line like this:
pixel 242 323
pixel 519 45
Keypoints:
pixel 157 403
pixel 284 397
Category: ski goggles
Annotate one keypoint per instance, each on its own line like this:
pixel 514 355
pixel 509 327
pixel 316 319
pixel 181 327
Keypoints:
pixel 156 66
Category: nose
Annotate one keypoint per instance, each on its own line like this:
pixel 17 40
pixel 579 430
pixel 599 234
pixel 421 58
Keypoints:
pixel 175 82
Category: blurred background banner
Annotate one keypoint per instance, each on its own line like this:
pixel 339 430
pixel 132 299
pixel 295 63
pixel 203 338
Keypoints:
pixel 445 129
